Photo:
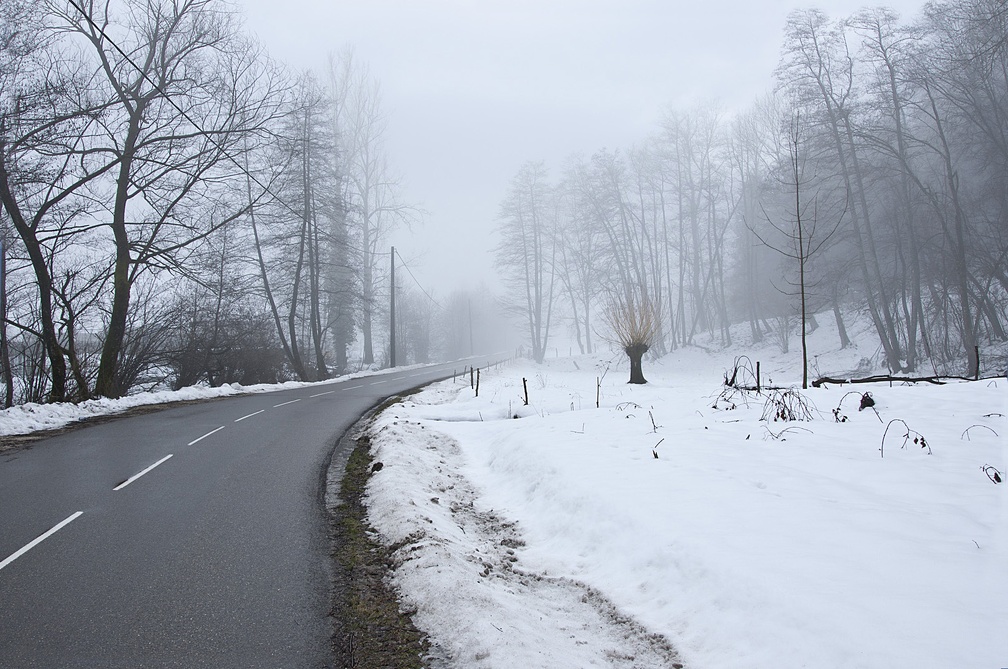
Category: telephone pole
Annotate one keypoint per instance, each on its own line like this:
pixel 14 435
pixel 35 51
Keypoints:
pixel 392 314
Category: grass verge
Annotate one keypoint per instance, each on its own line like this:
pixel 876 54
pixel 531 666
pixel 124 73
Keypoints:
pixel 371 629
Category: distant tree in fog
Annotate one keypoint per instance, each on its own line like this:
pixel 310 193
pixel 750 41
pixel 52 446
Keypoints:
pixel 527 252
pixel 371 191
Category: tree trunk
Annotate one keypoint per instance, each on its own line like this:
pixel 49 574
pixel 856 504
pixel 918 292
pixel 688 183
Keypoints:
pixel 636 354
pixel 368 290
pixel 107 383
pixel 57 365
pixel 296 359
pixel 958 239
pixel 265 278
pixel 841 328
pixel 8 376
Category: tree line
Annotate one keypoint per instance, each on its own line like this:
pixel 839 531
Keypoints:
pixel 874 176
pixel 180 208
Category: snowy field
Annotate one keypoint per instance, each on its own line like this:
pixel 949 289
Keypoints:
pixel 558 539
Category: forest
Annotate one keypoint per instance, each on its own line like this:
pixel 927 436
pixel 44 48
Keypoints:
pixel 180 208
pixel 872 180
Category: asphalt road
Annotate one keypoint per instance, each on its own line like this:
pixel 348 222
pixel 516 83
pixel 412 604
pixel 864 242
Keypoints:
pixel 218 556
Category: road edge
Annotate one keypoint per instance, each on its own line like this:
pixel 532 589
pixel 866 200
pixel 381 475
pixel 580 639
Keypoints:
pixel 371 628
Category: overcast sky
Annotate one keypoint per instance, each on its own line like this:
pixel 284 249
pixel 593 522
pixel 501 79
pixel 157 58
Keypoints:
pixel 475 88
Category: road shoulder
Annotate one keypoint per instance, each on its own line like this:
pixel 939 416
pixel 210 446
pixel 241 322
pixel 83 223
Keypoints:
pixel 371 628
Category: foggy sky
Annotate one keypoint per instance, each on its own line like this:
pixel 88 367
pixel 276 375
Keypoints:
pixel 475 88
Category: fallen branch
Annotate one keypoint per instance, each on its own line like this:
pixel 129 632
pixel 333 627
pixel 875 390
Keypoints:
pixel 883 378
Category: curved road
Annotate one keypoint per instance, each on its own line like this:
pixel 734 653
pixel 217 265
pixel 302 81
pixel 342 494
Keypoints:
pixel 195 536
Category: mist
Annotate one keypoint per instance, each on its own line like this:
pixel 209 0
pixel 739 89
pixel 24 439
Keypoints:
pixel 529 171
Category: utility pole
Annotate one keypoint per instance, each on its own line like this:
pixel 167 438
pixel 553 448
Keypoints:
pixel 392 314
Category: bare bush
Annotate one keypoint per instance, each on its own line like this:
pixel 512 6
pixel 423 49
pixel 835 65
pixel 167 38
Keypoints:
pixel 787 405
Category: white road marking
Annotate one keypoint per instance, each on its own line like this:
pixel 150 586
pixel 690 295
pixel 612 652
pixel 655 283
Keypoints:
pixel 35 542
pixel 136 476
pixel 352 387
pixel 254 413
pixel 375 383
pixel 205 436
pixel 283 404
pixel 325 393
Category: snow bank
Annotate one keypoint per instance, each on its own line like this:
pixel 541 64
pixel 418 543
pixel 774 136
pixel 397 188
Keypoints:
pixel 28 418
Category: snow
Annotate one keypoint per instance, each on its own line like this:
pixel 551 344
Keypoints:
pixel 31 417
pixel 557 539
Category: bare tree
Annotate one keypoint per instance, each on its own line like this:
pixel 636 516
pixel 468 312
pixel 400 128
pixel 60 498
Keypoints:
pixel 634 320
pixel 818 70
pixel 303 242
pixel 371 190
pixel 527 252
pixel 48 167
pixel 183 89
pixel 579 255
pixel 803 238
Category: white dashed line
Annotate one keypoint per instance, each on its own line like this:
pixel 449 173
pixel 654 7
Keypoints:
pixel 205 436
pixel 136 476
pixel 375 383
pixel 283 404
pixel 254 413
pixel 35 542
pixel 352 387
pixel 325 393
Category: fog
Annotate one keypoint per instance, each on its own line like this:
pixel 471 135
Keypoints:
pixel 210 192
pixel 475 89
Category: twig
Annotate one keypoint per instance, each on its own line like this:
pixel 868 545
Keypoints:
pixel 967 435
pixel 779 436
pixel 623 406
pixel 918 438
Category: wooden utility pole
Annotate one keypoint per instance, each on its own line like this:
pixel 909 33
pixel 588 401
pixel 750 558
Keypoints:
pixel 392 313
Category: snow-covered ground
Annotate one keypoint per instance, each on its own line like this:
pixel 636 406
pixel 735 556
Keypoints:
pixel 28 418
pixel 558 539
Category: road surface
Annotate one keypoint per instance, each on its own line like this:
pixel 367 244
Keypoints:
pixel 195 536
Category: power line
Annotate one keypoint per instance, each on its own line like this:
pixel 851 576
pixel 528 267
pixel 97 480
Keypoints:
pixel 422 289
